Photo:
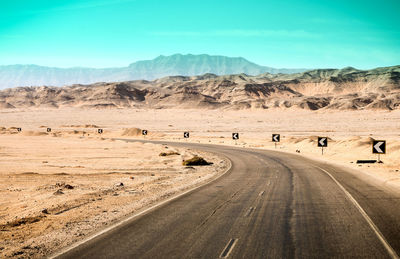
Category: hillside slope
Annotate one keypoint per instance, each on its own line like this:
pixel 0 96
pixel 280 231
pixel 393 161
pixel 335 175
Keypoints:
pixel 346 88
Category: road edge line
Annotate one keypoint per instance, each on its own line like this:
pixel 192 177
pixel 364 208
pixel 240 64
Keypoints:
pixel 228 248
pixel 135 215
pixel 378 233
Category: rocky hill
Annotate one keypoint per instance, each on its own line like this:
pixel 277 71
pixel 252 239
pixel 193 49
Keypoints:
pixel 346 88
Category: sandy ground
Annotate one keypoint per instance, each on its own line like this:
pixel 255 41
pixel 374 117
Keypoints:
pixel 38 169
pixel 57 188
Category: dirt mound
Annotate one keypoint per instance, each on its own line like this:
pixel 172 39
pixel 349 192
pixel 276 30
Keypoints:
pixel 131 132
pixel 365 142
pixel 33 133
pixel 80 126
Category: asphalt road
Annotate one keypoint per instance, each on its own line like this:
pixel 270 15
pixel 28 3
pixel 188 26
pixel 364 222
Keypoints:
pixel 268 205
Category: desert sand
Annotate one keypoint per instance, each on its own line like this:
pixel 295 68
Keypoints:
pixel 59 187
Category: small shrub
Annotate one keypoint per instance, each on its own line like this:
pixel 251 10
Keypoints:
pixel 22 221
pixel 171 153
pixel 196 160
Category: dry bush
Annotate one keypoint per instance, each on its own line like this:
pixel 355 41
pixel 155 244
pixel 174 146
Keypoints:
pixel 171 153
pixel 196 160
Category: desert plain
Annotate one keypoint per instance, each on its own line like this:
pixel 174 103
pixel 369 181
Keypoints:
pixel 61 186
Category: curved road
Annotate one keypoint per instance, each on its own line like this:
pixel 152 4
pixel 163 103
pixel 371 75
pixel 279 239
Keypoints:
pixel 268 205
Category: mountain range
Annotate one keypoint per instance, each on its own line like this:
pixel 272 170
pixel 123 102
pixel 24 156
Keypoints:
pixel 178 64
pixel 320 89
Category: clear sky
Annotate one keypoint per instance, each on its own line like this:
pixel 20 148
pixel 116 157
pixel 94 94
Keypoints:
pixel 280 33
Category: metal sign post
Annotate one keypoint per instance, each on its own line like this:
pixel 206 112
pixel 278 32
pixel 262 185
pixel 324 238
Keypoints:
pixel 144 133
pixel 186 135
pixel 322 142
pixel 379 147
pixel 276 138
pixel 235 136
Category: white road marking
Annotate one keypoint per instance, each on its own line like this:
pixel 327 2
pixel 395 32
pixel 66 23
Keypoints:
pixel 228 248
pixel 379 234
pixel 249 211
pixel 137 215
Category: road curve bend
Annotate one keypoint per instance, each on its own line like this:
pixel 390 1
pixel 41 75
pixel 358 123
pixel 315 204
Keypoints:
pixel 268 205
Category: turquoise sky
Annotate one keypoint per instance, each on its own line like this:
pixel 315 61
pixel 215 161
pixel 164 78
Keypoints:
pixel 293 34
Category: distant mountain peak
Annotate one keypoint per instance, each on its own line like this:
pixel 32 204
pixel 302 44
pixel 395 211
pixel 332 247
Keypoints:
pixel 349 69
pixel 161 66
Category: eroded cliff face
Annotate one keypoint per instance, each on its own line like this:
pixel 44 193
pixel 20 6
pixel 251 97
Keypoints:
pixel 347 88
